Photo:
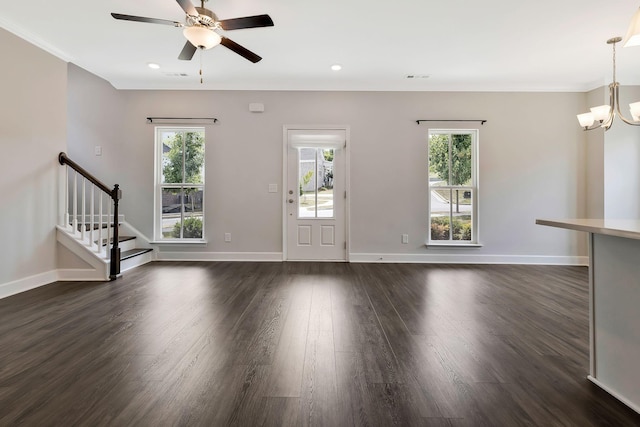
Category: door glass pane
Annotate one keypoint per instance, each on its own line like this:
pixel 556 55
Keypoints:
pixel 462 205
pixel 171 212
pixel 315 183
pixel 439 160
pixel 307 183
pixel 325 183
pixel 461 159
pixel 440 211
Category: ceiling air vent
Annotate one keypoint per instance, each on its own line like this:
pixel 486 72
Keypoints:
pixel 176 74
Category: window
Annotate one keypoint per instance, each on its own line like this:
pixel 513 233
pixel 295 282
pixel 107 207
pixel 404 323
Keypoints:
pixel 453 187
pixel 179 207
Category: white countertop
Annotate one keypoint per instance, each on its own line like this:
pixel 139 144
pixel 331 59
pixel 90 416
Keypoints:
pixel 629 228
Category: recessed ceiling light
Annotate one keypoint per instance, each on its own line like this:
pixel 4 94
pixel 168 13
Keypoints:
pixel 336 67
pixel 153 65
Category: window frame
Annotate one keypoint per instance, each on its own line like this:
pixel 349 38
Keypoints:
pixel 473 188
pixel 159 185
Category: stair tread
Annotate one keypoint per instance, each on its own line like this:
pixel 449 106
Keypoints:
pixel 96 226
pixel 120 240
pixel 133 252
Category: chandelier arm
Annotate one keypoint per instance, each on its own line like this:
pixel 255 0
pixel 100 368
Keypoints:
pixel 627 121
pixel 608 122
pixel 594 127
pixel 613 91
pixel 622 117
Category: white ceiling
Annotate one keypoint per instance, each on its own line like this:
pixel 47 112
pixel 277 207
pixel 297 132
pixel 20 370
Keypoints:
pixel 462 45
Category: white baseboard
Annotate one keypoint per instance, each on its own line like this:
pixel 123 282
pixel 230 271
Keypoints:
pixel 35 281
pixel 468 259
pixel 31 282
pixel 384 258
pixel 615 394
pixel 80 275
pixel 220 256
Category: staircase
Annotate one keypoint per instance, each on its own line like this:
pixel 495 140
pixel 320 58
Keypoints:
pixel 94 251
pixel 87 228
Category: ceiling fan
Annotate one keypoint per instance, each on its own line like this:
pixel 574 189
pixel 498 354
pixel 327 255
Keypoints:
pixel 200 29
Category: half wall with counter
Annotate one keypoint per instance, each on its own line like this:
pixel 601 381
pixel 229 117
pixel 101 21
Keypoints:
pixel 614 303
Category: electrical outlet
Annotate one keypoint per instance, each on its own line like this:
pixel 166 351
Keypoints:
pixel 227 237
pixel 98 150
pixel 405 239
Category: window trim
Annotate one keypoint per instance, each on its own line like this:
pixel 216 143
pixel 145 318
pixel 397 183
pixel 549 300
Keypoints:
pixel 159 185
pixel 474 188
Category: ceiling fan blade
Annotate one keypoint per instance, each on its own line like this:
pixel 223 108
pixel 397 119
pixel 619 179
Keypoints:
pixel 187 52
pixel 240 50
pixel 188 7
pixel 246 22
pixel 144 19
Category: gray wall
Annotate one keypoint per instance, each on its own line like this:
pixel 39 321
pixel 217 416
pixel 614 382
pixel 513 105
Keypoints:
pixel 96 113
pixel 33 116
pixel 621 163
pixel 532 162
pixel 594 171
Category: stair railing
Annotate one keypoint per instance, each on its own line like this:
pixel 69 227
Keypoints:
pixel 90 228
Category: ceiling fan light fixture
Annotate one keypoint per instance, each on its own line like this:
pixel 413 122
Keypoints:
pixel 633 33
pixel 202 37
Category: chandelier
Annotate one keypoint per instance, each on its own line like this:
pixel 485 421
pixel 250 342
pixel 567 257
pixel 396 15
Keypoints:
pixel 603 115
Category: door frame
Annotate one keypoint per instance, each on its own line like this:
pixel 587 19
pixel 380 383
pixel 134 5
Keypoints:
pixel 347 181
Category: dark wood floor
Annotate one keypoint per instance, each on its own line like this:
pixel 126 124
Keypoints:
pixel 290 344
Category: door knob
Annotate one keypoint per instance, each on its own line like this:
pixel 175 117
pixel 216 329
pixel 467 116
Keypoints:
pixel 290 200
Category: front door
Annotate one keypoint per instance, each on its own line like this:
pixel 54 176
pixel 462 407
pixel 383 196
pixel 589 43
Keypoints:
pixel 315 204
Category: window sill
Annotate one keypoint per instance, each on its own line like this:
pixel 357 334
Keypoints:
pixel 453 245
pixel 179 242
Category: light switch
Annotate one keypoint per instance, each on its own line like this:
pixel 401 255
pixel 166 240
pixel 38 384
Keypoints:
pixel 273 188
pixel 98 150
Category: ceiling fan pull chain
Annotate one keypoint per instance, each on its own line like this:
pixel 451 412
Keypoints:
pixel 201 66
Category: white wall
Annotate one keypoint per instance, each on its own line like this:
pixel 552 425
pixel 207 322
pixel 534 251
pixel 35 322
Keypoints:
pixel 622 163
pixel 532 157
pixel 33 120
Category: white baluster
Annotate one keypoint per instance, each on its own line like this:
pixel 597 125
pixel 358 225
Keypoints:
pixel 66 196
pixel 108 226
pixel 92 213
pixel 100 212
pixel 84 207
pixel 75 203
